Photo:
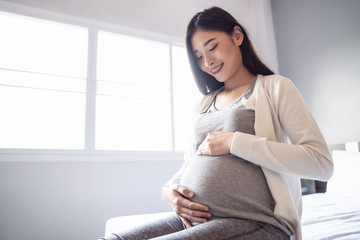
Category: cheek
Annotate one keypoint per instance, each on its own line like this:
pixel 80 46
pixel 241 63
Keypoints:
pixel 235 54
pixel 201 66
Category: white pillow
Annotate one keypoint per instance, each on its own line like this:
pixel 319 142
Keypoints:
pixel 345 181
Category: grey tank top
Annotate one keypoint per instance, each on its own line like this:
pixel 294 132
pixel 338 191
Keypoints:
pixel 230 186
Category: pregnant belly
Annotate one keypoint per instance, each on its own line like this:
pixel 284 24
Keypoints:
pixel 224 183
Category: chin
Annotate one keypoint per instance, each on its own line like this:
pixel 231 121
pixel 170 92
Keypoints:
pixel 219 79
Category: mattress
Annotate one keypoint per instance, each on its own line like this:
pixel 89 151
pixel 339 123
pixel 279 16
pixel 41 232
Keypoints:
pixel 330 217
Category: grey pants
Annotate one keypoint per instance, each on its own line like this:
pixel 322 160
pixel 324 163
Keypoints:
pixel 172 228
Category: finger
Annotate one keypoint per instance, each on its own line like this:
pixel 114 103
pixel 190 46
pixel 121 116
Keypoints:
pixel 203 149
pixel 203 212
pixel 186 222
pixel 184 191
pixel 194 219
pixel 191 206
pixel 197 216
pixel 184 207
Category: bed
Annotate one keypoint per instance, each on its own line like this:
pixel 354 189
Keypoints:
pixel 334 214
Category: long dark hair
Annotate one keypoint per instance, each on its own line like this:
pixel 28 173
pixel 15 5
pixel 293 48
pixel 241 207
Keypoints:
pixel 217 19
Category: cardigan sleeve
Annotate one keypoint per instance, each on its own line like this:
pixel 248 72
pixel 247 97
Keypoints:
pixel 307 156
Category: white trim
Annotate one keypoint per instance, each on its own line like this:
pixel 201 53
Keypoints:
pixel 86 22
pixel 108 156
pixel 172 98
pixel 89 152
pixel 41 73
pixel 91 91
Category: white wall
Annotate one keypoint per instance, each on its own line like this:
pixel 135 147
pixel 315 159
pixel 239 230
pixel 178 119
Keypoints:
pixel 319 49
pixel 170 17
pixel 73 199
pixel 47 196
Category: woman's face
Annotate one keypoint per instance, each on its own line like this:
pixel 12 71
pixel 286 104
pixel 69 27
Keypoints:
pixel 217 53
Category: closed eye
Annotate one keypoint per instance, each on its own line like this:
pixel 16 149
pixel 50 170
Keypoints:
pixel 213 48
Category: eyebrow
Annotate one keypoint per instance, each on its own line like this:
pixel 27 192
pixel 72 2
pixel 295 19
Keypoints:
pixel 206 43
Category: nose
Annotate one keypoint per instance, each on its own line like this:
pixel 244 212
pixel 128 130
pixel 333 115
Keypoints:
pixel 208 60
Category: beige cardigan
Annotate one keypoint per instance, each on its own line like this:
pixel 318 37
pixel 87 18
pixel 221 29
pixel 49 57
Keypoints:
pixel 280 115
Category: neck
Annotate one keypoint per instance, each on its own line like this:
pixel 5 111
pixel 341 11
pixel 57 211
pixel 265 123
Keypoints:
pixel 242 79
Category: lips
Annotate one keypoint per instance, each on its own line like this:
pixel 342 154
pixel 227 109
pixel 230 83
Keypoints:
pixel 217 69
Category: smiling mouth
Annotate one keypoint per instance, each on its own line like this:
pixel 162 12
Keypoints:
pixel 217 69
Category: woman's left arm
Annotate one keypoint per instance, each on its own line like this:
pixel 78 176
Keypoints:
pixel 308 155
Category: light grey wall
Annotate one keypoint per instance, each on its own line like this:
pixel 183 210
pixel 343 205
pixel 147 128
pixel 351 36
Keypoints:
pixel 318 44
pixel 73 200
pixel 60 197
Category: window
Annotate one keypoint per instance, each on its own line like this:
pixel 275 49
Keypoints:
pixel 133 96
pixel 43 67
pixel 143 99
pixel 186 95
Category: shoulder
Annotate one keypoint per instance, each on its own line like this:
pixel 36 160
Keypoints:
pixel 274 81
pixel 274 89
pixel 275 84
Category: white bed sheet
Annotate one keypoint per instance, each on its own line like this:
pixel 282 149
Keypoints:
pixel 329 217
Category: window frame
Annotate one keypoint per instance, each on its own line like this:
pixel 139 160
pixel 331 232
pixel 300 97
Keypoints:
pixel 89 153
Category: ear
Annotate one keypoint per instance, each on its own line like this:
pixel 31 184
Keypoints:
pixel 237 36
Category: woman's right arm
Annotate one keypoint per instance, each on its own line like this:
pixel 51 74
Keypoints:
pixel 178 197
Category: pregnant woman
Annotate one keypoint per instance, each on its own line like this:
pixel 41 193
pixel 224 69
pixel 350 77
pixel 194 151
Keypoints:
pixel 253 139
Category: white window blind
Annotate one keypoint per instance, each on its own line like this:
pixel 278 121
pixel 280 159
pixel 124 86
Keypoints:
pixel 42 83
pixel 186 95
pixel 133 97
pixel 144 95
